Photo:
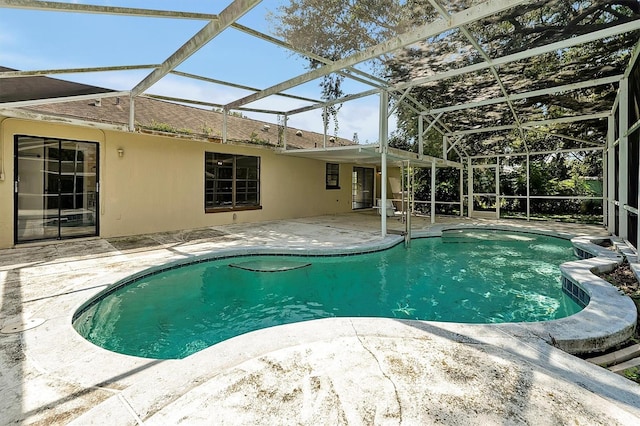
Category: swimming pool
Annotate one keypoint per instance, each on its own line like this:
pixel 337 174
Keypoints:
pixel 477 276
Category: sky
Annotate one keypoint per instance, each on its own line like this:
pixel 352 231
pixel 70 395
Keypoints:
pixel 36 40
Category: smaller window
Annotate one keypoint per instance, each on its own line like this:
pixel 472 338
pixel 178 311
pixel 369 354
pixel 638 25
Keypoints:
pixel 333 176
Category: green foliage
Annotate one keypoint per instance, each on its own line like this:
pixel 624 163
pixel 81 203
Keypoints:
pixel 229 113
pixel 632 374
pixel 161 127
pixel 334 29
pixel 255 139
pixel 166 127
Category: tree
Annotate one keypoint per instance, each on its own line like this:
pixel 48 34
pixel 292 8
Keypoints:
pixel 334 29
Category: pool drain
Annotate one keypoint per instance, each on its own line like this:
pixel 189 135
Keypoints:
pixel 20 326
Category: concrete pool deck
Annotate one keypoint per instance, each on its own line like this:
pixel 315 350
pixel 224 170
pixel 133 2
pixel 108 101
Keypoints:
pixel 331 371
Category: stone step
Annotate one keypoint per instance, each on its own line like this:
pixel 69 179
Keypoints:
pixel 619 368
pixel 616 357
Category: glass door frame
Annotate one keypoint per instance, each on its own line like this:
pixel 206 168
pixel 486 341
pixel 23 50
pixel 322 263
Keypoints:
pixel 359 198
pixel 59 177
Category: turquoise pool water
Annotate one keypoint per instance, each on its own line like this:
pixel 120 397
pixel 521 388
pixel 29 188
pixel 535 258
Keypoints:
pixel 470 277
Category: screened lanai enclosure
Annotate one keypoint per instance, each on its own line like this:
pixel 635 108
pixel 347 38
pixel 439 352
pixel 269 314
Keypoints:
pixel 495 108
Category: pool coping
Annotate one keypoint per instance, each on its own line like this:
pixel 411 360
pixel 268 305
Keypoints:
pixel 581 333
pixel 148 385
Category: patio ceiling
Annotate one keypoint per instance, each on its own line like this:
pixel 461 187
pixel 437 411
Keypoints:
pixel 370 154
pixel 492 100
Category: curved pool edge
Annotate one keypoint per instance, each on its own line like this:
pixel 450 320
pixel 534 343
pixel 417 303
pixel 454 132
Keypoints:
pixel 607 320
pixel 372 246
pixel 610 317
pixel 263 358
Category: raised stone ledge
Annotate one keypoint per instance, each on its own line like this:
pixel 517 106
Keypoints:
pixel 610 317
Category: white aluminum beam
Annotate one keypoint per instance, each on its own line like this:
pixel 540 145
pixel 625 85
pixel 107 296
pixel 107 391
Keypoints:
pixel 623 178
pixel 525 54
pixel 469 187
pixel 467 16
pixel 154 13
pixel 227 17
pixel 421 133
pixel 34 102
pixel 433 192
pixel 238 86
pixel 570 119
pixel 327 103
pixel 383 136
pixel 485 56
pixel 526 95
pixel 351 72
pixel 632 61
pixel 571 138
pixel 211 104
pixel 605 188
pixel 453 145
pixel 14 74
pixel 522 154
pixel 461 189
pixel 483 130
pixel 132 113
pixel 527 124
pixel 102 10
pixel 36 116
pixel 528 187
pixel 399 100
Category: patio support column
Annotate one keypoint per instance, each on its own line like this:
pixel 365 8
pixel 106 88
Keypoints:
pixel 528 188
pixel 384 143
pixel 132 113
pixel 224 126
pixel 605 190
pixel 469 187
pixel 433 191
pixel 420 135
pixel 623 189
pixel 410 189
pixel 610 179
pixel 403 187
pixel 497 187
pixel 325 122
pixel 461 191
pixel 445 146
pixel 284 133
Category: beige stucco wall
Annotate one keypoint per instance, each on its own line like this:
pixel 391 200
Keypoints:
pixel 158 184
pixel 6 187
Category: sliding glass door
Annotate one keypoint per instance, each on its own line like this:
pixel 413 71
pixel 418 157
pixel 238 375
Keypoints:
pixel 56 185
pixel 362 188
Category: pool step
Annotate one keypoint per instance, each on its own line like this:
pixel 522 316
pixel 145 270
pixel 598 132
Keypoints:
pixel 620 360
pixel 620 368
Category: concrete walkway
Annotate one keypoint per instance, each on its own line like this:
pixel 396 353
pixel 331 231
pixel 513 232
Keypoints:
pixel 330 371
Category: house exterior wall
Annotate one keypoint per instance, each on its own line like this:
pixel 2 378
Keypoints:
pixel 158 183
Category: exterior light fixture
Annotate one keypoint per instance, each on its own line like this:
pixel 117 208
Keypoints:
pixel 120 152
